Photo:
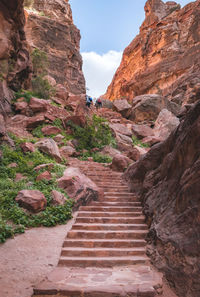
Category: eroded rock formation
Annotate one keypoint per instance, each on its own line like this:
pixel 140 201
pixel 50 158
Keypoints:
pixel 167 179
pixel 15 66
pixel 50 28
pixel 165 57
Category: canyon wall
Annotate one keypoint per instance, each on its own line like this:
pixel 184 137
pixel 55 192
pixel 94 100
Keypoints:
pixel 167 180
pixel 15 65
pixel 50 28
pixel 165 57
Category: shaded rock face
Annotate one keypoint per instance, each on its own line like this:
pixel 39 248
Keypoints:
pixel 167 179
pixel 15 66
pixel 165 57
pixel 55 34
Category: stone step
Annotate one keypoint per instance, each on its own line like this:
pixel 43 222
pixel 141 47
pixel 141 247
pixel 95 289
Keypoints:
pixel 136 234
pixel 104 243
pixel 123 199
pixel 117 194
pixel 111 220
pixel 102 252
pixel 108 214
pixel 102 261
pixel 134 204
pixel 110 208
pixel 111 227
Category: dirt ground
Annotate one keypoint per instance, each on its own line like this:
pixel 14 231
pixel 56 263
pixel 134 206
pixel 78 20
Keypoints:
pixel 28 258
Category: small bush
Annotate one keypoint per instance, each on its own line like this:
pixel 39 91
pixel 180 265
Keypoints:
pixel 97 157
pixel 42 88
pixel 24 93
pixel 96 134
pixel 138 142
pixel 40 62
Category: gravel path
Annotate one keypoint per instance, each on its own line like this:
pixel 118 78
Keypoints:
pixel 28 258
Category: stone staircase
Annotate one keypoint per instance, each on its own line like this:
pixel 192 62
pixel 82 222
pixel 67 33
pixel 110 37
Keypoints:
pixel 104 253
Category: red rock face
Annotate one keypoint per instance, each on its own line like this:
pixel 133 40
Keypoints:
pixel 51 30
pixel 167 179
pixel 165 57
pixel 14 57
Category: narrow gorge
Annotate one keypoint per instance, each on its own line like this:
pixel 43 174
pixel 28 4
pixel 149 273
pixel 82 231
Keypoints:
pixel 119 182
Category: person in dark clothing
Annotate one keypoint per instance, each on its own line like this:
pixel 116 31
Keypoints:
pixel 98 103
pixel 88 101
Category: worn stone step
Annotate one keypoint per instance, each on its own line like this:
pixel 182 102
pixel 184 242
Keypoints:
pixel 108 214
pixel 111 227
pixel 110 208
pixel 111 220
pixel 136 234
pixel 117 194
pixel 104 243
pixel 102 261
pixel 102 252
pixel 134 204
pixel 123 199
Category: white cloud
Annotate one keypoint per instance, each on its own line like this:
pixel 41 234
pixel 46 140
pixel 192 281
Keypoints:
pixel 99 70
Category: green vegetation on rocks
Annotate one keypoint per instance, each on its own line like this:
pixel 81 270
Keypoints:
pixel 138 142
pixel 14 219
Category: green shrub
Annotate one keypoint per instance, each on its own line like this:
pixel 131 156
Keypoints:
pixel 28 3
pixel 138 142
pixel 96 134
pixel 40 62
pixel 42 88
pixel 10 210
pixel 26 94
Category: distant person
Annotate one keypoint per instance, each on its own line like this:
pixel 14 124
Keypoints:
pixel 98 103
pixel 88 101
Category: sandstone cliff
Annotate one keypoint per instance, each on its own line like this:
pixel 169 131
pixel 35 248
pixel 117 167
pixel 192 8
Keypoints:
pixel 50 28
pixel 165 57
pixel 167 180
pixel 14 56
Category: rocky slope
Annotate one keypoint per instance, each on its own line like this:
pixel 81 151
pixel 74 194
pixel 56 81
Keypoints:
pixel 167 180
pixel 15 66
pixel 50 28
pixel 164 57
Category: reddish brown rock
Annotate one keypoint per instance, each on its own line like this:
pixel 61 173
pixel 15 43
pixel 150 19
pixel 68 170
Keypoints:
pixel 2 126
pixel 27 147
pixel 21 107
pixel 122 106
pixel 33 122
pixel 49 146
pixel 13 51
pixel 121 129
pixel 120 163
pixel 79 187
pixel 165 124
pixel 146 108
pixel 33 200
pixel 19 177
pixel 110 151
pixel 58 198
pixel 44 175
pixel 38 105
pixel 167 181
pixel 67 151
pixel 61 43
pixel 160 59
pixel 133 154
pixel 142 131
pixel 51 130
pixel 49 167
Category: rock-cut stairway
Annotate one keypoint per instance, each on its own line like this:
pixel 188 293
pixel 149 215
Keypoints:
pixel 104 253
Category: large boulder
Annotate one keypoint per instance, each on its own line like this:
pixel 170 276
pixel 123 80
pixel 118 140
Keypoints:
pixel 122 106
pixel 121 129
pixel 142 131
pixel 146 108
pixel 110 151
pixel 120 163
pixel 32 200
pixel 79 187
pixel 165 124
pixel 167 181
pixel 67 151
pixel 49 146
pixel 51 130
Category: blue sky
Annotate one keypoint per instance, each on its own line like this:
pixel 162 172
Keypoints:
pixel 107 27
